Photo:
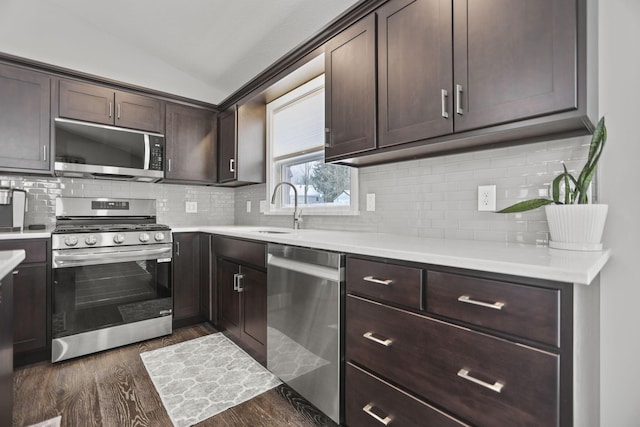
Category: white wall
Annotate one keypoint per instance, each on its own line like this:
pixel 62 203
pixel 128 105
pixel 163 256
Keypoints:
pixel 619 58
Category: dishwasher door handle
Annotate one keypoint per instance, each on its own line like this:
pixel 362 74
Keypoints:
pixel 332 274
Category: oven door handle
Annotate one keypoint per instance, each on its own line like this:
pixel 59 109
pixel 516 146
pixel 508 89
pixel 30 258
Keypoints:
pixel 60 260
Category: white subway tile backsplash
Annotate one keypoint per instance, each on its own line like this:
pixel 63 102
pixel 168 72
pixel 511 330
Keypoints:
pixel 436 197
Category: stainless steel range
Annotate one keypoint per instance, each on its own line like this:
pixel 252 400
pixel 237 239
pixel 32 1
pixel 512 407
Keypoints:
pixel 111 275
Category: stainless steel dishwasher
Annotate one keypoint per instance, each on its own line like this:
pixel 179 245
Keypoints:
pixel 305 290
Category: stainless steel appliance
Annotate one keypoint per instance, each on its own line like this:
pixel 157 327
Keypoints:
pixel 12 207
pixel 111 275
pixel 108 152
pixel 305 308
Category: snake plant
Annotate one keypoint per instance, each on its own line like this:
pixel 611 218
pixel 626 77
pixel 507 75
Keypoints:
pixel 575 190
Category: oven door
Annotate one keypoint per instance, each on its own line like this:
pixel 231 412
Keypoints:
pixel 98 288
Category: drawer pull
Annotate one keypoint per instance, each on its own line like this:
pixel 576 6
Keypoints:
pixel 466 299
pixel 370 337
pixel 378 281
pixel 367 409
pixel 497 386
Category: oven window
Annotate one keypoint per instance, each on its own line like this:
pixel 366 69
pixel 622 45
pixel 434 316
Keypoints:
pixel 92 297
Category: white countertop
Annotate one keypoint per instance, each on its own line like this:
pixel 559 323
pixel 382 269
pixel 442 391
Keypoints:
pixel 27 234
pixel 9 260
pixel 505 258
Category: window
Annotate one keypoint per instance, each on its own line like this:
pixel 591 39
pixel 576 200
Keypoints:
pixel 295 139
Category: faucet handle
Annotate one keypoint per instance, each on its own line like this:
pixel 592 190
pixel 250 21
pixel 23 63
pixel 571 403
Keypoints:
pixel 297 218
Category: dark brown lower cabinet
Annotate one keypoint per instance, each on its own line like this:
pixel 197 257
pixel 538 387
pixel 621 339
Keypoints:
pixel 31 296
pixel 6 349
pixel 242 291
pixel 429 345
pixel 190 279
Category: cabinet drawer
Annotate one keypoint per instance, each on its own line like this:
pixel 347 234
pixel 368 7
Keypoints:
pixel 368 397
pixel 482 379
pixel 514 309
pixel 244 251
pixel 388 282
pixel 36 250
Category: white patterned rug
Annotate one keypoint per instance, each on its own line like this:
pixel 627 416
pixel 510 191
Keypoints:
pixel 202 377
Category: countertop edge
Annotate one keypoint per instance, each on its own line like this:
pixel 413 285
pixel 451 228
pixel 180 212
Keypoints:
pixel 495 257
pixel 9 260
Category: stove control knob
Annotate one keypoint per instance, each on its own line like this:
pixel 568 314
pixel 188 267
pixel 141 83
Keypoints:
pixel 144 237
pixel 91 240
pixel 71 240
pixel 118 238
pixel 159 236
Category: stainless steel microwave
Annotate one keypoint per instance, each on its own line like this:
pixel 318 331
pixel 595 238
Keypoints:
pixel 91 150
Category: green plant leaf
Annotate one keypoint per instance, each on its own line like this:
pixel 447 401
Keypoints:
pixel 595 151
pixel 527 205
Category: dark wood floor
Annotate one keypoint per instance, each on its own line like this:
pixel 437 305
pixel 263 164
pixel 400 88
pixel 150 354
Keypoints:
pixel 113 388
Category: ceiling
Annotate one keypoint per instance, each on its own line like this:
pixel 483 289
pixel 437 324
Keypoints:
pixel 199 49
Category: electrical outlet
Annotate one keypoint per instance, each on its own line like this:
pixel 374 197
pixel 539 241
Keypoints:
pixel 191 207
pixel 248 206
pixel 263 205
pixel 371 202
pixel 487 198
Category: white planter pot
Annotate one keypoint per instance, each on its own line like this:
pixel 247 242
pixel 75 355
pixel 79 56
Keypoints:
pixel 576 227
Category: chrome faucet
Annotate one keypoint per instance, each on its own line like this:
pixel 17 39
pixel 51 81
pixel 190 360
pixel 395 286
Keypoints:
pixel 297 215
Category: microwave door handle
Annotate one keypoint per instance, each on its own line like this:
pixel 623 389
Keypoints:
pixel 147 152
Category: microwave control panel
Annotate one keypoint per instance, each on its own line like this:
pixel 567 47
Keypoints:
pixel 157 151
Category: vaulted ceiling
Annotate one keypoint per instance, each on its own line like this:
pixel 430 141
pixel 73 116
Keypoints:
pixel 199 49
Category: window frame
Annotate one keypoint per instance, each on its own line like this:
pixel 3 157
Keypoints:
pixel 275 165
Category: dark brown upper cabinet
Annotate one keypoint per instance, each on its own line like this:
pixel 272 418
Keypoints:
pixel 350 90
pixel 227 148
pixel 455 76
pixel 99 104
pixel 513 60
pixel 242 144
pixel 415 76
pixel 24 120
pixel 190 145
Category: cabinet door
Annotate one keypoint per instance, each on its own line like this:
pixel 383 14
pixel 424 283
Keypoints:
pixel 24 119
pixel 227 151
pixel 350 90
pixel 513 60
pixel 30 308
pixel 6 345
pixel 229 314
pixel 190 144
pixel 138 112
pixel 186 275
pixel 208 298
pixel 415 75
pixel 253 289
pixel 82 101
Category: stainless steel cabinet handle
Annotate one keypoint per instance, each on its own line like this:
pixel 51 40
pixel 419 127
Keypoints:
pixel 327 137
pixel 496 386
pixel 370 337
pixel 444 94
pixel 378 281
pixel 168 165
pixel 16 272
pixel 44 153
pixel 235 282
pixel 177 248
pixel 467 300
pixel 240 277
pixel 459 99
pixel 118 112
pixel 110 109
pixel 367 409
pixel 232 165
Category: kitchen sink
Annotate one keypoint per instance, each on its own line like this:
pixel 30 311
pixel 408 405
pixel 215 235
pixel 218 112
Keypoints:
pixel 273 232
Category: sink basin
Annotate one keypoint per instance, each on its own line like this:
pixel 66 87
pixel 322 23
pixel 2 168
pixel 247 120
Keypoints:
pixel 273 232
